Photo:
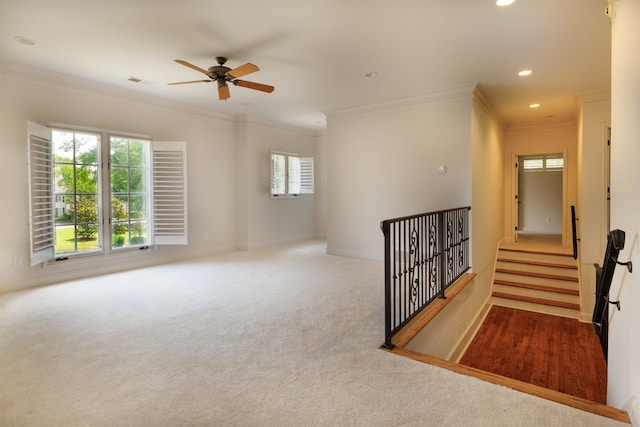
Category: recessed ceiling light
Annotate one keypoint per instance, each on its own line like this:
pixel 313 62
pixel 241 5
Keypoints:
pixel 371 74
pixel 525 73
pixel 534 105
pixel 504 2
pixel 24 40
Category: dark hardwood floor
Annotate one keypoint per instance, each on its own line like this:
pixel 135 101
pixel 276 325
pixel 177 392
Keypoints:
pixel 553 352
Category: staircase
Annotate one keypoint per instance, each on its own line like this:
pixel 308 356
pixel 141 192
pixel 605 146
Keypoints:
pixel 537 280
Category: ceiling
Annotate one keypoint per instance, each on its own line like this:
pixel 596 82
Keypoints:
pixel 316 53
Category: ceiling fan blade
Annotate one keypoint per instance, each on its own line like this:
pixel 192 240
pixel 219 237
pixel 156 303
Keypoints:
pixel 193 81
pixel 223 92
pixel 193 67
pixel 243 70
pixel 256 86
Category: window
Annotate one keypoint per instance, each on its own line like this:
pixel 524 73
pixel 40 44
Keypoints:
pixel 130 191
pixel 144 186
pixel 533 164
pixel 548 162
pixel 553 163
pixel 291 175
pixel 76 159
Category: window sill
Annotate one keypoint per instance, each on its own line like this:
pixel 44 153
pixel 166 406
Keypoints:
pixel 285 196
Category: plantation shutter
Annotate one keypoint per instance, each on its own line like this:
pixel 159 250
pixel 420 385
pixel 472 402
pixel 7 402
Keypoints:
pixel 41 208
pixel 169 184
pixel 306 175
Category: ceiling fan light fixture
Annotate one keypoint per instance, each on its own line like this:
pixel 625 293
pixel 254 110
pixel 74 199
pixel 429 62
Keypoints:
pixel 504 2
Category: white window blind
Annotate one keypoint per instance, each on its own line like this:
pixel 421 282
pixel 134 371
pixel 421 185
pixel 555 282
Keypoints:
pixel 531 164
pixel 293 175
pixel 306 175
pixel 41 207
pixel 170 193
pixel 554 163
pixel 547 162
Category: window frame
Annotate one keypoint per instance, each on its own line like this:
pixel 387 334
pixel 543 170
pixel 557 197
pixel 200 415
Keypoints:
pixel 76 194
pixel 544 160
pixel 148 178
pixel 305 174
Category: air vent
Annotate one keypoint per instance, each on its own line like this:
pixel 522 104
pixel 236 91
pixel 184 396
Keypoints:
pixel 141 81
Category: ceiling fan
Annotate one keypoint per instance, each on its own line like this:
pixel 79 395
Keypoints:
pixel 223 75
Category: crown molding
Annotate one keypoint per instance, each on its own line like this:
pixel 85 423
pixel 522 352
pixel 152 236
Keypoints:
pixel 533 127
pixel 589 97
pixel 24 72
pixel 488 107
pixel 465 91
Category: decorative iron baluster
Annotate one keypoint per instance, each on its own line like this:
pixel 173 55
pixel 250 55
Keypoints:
pixel 449 249
pixel 433 282
pixel 461 237
pixel 413 263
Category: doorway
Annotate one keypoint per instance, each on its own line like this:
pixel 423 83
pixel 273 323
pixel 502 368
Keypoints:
pixel 539 196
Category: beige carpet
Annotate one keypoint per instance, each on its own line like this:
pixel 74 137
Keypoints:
pixel 286 336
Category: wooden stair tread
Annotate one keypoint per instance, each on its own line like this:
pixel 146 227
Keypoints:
pixel 538 263
pixel 535 274
pixel 537 300
pixel 531 251
pixel 537 287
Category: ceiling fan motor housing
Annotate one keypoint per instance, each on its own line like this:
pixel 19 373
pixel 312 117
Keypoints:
pixel 219 72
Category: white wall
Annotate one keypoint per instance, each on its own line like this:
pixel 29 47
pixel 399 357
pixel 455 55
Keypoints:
pixel 595 118
pixel 540 197
pixel 541 140
pixel 221 218
pixel 449 333
pixel 381 164
pixel 488 141
pixel 321 185
pixel 624 338
pixel 273 221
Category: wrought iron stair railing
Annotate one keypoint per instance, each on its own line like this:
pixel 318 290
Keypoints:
pixel 604 277
pixel 424 255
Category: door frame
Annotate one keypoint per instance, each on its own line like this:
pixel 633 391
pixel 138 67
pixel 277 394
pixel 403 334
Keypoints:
pixel 513 198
